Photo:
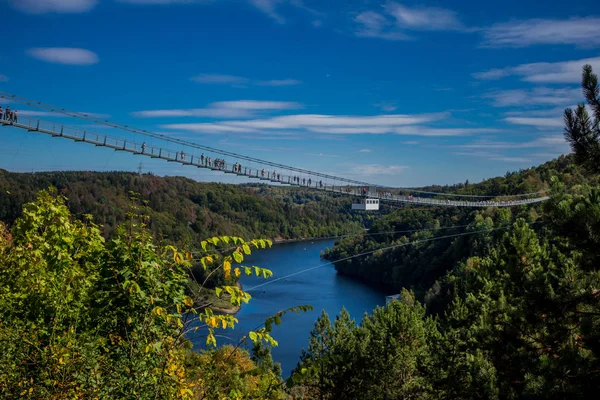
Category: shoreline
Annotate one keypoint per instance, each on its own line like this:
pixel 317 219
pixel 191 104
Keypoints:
pixel 230 311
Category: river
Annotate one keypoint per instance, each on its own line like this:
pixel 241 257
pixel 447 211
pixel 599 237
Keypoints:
pixel 321 288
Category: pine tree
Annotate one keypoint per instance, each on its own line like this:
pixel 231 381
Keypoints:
pixel 583 131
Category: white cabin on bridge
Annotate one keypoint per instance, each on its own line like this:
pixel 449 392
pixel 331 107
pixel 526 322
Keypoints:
pixel 365 204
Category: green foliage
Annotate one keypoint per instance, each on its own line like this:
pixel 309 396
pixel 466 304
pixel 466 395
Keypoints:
pixel 85 317
pixel 384 357
pixel 582 131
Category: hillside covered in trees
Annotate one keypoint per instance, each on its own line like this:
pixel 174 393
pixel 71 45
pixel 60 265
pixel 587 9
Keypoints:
pixel 183 211
pixel 420 265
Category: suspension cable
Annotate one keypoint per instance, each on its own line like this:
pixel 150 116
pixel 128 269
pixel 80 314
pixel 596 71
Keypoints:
pixel 127 128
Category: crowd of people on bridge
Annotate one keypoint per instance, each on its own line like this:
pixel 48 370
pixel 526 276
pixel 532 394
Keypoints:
pixel 237 168
pixel 9 115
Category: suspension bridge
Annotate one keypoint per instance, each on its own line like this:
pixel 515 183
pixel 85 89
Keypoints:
pixel 187 153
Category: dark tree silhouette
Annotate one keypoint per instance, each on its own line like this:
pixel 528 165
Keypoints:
pixel 582 131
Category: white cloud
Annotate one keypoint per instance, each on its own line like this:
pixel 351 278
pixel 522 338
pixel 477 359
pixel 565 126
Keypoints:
pixel 3 78
pixel 365 151
pixel 386 106
pixel 537 122
pixel 551 146
pixel 375 25
pixel 535 96
pixel 428 131
pixel 268 7
pixel 396 19
pixel 377 169
pixel 324 155
pixel 554 141
pixel 584 32
pixel 222 109
pixel 64 55
pixel 410 142
pixel 241 81
pixel 220 79
pixel 493 156
pixel 335 125
pixel 424 18
pixel 543 72
pixel 279 82
pixel 53 6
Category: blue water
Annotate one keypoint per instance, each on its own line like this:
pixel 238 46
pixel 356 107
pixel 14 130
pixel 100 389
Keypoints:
pixel 321 288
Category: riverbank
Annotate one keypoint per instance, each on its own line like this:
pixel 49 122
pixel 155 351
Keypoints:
pixel 218 304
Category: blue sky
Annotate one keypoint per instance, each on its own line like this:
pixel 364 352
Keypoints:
pixel 403 93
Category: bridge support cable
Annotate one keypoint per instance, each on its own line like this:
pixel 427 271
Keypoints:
pixel 252 168
pixel 366 253
pixel 272 177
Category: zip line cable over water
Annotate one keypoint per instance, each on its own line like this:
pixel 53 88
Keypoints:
pixel 358 234
pixel 376 250
pixel 127 128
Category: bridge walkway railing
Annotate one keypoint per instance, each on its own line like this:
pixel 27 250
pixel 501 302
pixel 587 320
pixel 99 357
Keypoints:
pixel 118 144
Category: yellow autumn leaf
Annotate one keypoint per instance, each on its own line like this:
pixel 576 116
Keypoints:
pixel 227 269
pixel 237 272
pixel 188 302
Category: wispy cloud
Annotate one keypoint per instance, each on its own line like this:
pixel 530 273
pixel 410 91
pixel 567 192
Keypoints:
pixel 64 55
pixel 377 169
pixel 3 78
pixel 424 18
pixel 269 7
pixel 550 146
pixel 535 96
pixel 365 151
pixel 411 125
pixel 374 25
pixel 543 72
pixel 386 106
pixel 241 81
pixel 537 122
pixel 410 142
pixel 323 155
pixel 584 32
pixel 53 6
pixel 429 131
pixel 494 157
pixel 395 20
pixel 279 82
pixel 220 79
pixel 554 141
pixel 222 109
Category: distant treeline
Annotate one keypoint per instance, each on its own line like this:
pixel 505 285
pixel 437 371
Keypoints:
pixel 183 211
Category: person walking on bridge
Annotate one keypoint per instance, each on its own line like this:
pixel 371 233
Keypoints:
pixel 1 112
pixel 15 116
pixel 7 114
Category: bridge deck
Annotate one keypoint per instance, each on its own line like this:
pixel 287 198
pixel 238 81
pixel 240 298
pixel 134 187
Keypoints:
pixel 79 135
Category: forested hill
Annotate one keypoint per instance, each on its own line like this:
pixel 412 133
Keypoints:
pixel 420 265
pixel 518 182
pixel 182 210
